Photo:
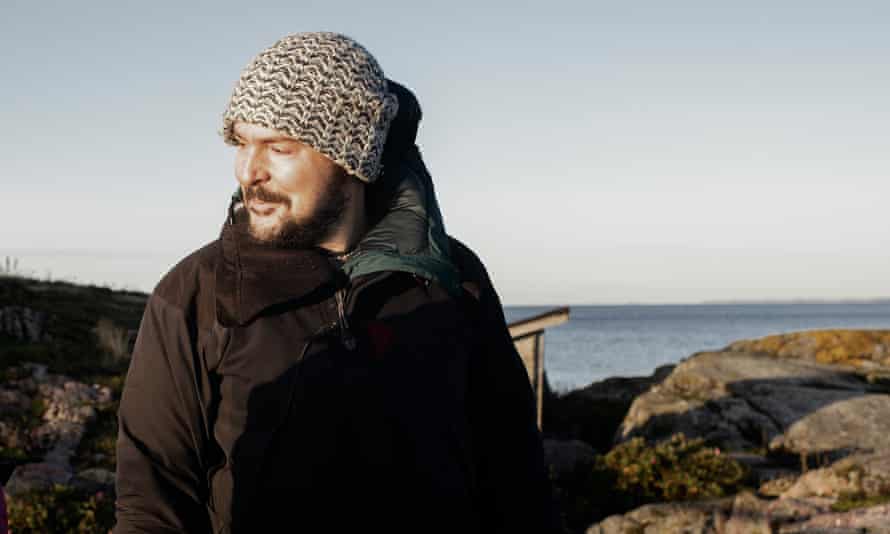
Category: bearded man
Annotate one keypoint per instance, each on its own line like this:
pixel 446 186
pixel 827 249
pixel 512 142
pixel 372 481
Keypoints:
pixel 334 361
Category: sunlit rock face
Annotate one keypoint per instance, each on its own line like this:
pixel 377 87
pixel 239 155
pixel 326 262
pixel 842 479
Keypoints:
pixel 805 393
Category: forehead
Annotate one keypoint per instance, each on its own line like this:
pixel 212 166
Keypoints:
pixel 255 132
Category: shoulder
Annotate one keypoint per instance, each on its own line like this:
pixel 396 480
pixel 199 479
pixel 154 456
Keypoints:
pixel 467 262
pixel 474 276
pixel 189 285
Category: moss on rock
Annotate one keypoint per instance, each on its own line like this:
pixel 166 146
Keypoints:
pixel 852 347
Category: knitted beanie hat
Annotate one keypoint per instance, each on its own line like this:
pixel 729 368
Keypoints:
pixel 323 89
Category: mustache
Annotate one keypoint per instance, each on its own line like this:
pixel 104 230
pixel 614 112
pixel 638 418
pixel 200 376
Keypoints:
pixel 264 195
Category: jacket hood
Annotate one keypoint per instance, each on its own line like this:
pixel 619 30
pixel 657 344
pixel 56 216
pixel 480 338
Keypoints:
pixel 405 231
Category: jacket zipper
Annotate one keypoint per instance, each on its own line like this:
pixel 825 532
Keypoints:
pixel 212 472
pixel 343 301
pixel 346 336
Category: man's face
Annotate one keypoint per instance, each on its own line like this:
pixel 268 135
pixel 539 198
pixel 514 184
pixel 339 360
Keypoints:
pixel 294 195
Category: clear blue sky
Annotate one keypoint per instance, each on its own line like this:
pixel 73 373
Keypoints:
pixel 591 152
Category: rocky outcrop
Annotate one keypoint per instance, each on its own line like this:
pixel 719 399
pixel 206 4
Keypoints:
pixel 863 349
pixel 747 514
pixel 815 398
pixel 872 520
pixel 744 513
pixel 702 516
pixel 865 476
pixel 23 324
pixel 93 480
pixel 68 407
pixel 36 476
pixel 744 398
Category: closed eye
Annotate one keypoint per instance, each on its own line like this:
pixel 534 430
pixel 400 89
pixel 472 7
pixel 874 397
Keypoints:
pixel 281 149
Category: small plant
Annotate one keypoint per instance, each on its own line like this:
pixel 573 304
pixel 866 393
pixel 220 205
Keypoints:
pixel 676 470
pixel 113 340
pixel 636 473
pixel 10 267
pixel 61 509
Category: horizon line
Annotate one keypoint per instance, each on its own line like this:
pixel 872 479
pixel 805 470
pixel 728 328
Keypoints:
pixel 721 302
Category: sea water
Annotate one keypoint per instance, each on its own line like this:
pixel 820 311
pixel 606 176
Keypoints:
pixel 602 341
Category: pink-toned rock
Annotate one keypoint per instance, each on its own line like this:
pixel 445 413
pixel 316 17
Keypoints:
pixel 704 517
pixel 866 474
pixel 873 520
pixel 748 516
pixel 36 476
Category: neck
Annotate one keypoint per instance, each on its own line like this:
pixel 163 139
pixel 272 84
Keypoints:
pixel 351 229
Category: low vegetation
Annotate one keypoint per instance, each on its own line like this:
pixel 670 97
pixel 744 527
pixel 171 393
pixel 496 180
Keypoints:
pixel 636 473
pixel 61 509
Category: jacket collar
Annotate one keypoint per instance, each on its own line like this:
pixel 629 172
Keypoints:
pixel 252 276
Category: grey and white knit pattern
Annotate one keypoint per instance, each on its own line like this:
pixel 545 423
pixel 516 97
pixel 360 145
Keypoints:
pixel 323 89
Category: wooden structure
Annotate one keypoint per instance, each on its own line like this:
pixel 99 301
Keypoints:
pixel 528 337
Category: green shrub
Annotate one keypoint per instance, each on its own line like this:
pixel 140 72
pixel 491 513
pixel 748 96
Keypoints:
pixel 61 509
pixel 636 473
pixel 676 470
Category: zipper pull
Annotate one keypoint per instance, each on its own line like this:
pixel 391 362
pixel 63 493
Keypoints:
pixel 424 282
pixel 346 336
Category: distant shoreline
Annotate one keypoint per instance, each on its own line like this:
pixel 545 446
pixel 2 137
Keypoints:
pixel 878 300
pixel 763 302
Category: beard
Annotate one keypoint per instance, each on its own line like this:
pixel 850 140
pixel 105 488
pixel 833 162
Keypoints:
pixel 312 230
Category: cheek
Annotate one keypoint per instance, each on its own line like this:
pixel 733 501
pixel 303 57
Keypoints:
pixel 237 165
pixel 295 180
pixel 288 177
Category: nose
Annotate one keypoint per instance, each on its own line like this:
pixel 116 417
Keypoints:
pixel 250 169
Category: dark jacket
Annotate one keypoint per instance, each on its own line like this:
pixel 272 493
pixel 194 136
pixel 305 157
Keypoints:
pixel 271 391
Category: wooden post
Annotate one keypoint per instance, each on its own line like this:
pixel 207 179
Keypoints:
pixel 528 337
